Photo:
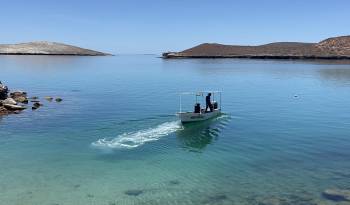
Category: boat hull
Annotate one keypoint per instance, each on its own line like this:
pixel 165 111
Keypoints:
pixel 195 117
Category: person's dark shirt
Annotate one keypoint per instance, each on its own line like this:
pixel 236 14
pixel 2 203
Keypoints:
pixel 207 99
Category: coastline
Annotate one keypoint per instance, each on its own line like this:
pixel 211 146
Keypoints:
pixel 165 56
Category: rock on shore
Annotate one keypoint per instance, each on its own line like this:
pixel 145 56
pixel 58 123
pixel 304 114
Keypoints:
pixel 46 48
pixel 19 96
pixel 15 102
pixel 331 48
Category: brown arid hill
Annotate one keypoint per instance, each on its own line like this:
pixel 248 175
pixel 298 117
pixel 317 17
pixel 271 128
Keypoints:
pixel 331 48
pixel 46 48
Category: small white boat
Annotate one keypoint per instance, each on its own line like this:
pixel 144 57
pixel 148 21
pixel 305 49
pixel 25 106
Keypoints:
pixel 200 113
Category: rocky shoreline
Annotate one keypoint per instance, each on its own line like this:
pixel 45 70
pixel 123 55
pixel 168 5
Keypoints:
pixel 337 48
pixel 17 101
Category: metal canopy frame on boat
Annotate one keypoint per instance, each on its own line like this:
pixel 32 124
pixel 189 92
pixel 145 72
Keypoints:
pixel 200 93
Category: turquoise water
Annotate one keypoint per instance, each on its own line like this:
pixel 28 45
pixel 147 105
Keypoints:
pixel 115 139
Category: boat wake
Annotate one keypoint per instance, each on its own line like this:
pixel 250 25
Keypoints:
pixel 135 139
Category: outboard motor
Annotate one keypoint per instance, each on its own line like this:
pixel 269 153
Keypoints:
pixel 215 105
pixel 197 108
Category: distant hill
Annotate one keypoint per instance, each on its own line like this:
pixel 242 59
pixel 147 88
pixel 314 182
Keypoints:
pixel 46 48
pixel 331 48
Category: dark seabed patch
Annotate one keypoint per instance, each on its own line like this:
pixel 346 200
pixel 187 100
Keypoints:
pixel 174 182
pixel 133 192
pixel 216 199
pixel 90 195
pixel 76 186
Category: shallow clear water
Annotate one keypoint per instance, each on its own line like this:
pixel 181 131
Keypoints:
pixel 115 139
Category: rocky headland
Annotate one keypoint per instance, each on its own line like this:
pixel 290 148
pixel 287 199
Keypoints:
pixel 16 101
pixel 331 48
pixel 46 48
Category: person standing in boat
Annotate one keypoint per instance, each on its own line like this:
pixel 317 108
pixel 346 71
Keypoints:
pixel 208 103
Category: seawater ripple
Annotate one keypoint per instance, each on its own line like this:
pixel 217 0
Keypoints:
pixel 132 140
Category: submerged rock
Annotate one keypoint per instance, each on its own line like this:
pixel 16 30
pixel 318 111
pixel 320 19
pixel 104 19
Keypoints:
pixel 133 192
pixel 48 98
pixel 337 194
pixel 36 105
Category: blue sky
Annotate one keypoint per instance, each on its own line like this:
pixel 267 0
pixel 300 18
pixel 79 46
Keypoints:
pixel 155 26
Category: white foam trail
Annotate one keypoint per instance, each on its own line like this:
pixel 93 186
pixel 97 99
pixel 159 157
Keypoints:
pixel 136 139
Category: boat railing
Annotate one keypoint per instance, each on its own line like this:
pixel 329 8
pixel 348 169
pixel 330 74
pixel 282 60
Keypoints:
pixel 200 93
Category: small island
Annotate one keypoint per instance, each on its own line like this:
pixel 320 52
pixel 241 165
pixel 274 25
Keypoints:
pixel 46 48
pixel 331 48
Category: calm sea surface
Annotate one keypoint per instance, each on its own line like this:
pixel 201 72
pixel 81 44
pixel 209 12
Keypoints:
pixel 115 138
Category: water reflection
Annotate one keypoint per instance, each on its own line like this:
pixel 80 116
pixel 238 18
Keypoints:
pixel 198 135
pixel 338 75
pixel 254 67
pixel 42 62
